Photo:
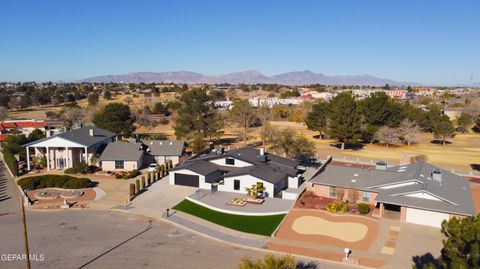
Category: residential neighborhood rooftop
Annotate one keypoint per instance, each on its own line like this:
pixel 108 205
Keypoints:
pixel 120 150
pixel 86 136
pixel 401 185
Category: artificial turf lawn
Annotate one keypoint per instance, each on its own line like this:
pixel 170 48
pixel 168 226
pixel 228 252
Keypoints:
pixel 263 225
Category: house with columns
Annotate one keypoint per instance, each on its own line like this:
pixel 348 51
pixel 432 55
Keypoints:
pixel 65 149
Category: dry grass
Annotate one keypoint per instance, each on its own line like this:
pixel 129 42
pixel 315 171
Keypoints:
pixel 460 155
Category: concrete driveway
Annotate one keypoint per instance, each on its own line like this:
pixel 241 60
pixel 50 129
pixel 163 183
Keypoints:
pixel 158 197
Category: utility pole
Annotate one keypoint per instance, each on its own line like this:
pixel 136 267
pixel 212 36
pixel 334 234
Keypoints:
pixel 25 236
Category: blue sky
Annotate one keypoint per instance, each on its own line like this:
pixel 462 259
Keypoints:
pixel 434 42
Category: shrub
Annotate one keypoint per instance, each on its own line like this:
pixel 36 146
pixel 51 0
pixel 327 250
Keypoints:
pixel 69 171
pixel 128 175
pixel 11 162
pixel 343 208
pixel 164 121
pixel 363 208
pixel 54 181
pixel 332 207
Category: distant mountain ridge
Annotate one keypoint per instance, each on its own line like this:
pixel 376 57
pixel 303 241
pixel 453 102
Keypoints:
pixel 250 76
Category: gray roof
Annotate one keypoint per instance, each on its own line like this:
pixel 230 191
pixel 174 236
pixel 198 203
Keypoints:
pixel 165 147
pixel 81 136
pixel 122 151
pixel 452 191
pixel 261 171
pixel 274 170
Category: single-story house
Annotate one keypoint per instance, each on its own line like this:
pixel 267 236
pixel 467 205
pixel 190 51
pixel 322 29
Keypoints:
pixel 417 193
pixel 122 156
pixel 238 169
pixel 22 126
pixel 63 150
pixel 163 151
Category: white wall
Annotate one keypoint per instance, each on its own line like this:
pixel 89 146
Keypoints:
pixel 246 181
pixel 238 163
pixel 293 182
pixel 289 195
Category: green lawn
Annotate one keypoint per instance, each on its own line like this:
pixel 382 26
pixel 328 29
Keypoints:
pixel 263 225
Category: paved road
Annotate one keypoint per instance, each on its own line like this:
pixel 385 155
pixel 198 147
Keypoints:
pixel 105 239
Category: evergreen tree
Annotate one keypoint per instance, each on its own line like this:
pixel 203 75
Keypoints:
pixel 115 117
pixel 344 119
pixel 317 119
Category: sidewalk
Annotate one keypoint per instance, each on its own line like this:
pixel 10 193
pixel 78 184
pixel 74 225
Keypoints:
pixel 185 220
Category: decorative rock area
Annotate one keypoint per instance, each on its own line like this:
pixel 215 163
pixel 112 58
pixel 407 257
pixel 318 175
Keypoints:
pixel 53 194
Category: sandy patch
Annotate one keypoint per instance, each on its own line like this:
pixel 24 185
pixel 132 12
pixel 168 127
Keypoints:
pixel 345 231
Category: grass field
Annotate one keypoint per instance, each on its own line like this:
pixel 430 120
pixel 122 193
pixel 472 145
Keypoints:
pixel 262 225
pixel 461 154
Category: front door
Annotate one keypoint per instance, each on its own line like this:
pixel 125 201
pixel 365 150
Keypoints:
pixel 61 163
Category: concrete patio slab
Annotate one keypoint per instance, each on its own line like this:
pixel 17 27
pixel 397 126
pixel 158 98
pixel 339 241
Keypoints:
pixel 218 201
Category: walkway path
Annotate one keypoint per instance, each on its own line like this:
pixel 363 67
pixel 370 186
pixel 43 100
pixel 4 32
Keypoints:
pixel 183 220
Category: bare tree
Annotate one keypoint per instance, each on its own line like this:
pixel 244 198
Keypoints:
pixel 264 115
pixel 408 130
pixel 145 120
pixel 388 136
pixel 71 116
pixel 3 113
pixel 128 100
pixel 243 114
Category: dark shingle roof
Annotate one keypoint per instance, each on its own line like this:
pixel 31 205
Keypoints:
pixel 122 151
pixel 274 170
pixel 81 136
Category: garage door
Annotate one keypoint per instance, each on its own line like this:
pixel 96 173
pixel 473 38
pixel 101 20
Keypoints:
pixel 425 217
pixel 186 180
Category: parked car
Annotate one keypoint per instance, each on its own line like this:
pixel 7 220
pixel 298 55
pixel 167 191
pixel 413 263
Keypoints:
pixel 306 161
pixel 152 167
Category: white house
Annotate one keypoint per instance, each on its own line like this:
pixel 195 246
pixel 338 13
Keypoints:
pixel 236 170
pixel 65 149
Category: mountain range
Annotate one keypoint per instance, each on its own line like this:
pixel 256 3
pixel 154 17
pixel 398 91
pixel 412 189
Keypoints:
pixel 250 76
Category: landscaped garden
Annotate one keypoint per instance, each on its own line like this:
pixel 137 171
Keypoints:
pixel 262 225
pixel 54 181
pixel 332 205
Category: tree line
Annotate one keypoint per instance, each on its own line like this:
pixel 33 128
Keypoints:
pixel 379 118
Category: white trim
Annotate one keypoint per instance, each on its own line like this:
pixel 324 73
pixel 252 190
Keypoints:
pixel 259 214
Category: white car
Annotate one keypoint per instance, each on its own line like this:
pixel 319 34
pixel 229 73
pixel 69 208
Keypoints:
pixel 152 167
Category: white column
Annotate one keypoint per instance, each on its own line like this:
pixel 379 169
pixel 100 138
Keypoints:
pixel 28 158
pixel 86 155
pixel 48 159
pixel 67 165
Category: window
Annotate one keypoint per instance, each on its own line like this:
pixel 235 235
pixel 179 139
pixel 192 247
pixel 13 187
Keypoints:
pixel 366 197
pixel 333 191
pixel 236 184
pixel 230 161
pixel 119 165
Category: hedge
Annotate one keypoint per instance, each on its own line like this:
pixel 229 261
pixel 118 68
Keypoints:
pixel 54 181
pixel 11 162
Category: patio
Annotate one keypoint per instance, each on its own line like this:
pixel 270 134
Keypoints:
pixel 218 201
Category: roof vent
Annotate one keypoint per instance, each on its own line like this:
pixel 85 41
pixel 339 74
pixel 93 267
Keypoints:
pixel 354 180
pixel 437 175
pixel 91 132
pixel 171 143
pixel 381 166
pixel 262 151
pixel 355 175
pixel 151 143
pixel 161 142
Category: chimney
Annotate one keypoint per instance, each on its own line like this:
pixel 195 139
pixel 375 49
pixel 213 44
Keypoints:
pixel 91 132
pixel 437 175
pixel 381 166
pixel 262 151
